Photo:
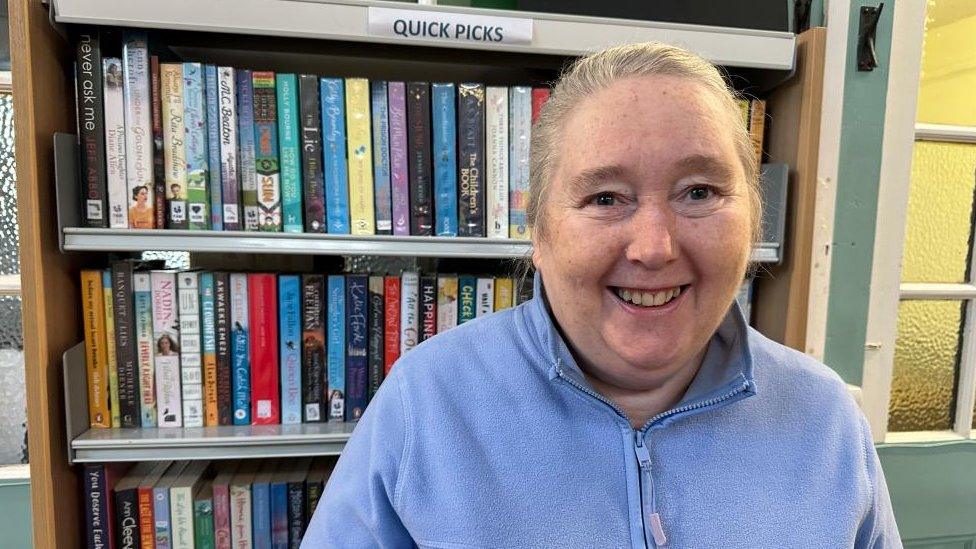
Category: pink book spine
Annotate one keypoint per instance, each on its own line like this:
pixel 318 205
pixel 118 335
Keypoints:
pixel 221 511
pixel 396 92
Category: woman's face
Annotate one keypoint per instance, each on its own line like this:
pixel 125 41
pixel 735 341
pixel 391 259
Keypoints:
pixel 164 345
pixel 142 195
pixel 648 198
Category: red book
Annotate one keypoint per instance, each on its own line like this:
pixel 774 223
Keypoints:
pixel 391 318
pixel 539 98
pixel 262 302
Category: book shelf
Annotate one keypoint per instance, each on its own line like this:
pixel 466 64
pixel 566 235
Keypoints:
pixel 331 36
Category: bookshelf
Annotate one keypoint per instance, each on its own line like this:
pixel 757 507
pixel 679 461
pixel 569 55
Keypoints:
pixel 332 36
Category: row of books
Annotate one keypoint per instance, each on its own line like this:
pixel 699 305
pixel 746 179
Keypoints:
pixel 196 146
pixel 202 504
pixel 199 348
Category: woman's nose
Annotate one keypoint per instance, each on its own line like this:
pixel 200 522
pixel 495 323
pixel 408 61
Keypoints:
pixel 651 239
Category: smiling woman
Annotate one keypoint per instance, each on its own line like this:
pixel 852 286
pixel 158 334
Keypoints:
pixel 631 405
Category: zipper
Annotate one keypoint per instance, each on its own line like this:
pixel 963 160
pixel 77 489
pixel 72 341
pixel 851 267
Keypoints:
pixel 587 390
pixel 696 405
pixel 649 512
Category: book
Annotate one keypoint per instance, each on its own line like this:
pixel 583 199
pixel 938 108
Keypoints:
pixel 127 524
pixel 485 296
pixel 115 154
pixel 145 347
pixel 288 155
pixel 171 96
pixel 318 475
pixel 519 138
pixel 138 129
pixel 332 97
pixel 214 183
pixel 467 295
pixel 266 161
pixel 191 359
pixel 208 334
pixel 447 296
pixel 279 507
pixel 223 334
pixel 161 504
pixel 230 170
pixel 91 127
pixel 428 308
pixel 160 212
pixel 203 517
pixel 409 310
pixel 294 476
pixel 166 335
pixel 757 126
pixel 98 485
pixel 93 311
pixel 399 176
pixel 147 519
pixel 357 336
pixel 471 159
pixel 496 161
pixel 123 314
pixel 539 98
pixel 313 347
pixel 248 151
pixel 181 503
pixel 290 333
pixel 444 118
pixel 375 345
pixel 418 149
pixel 195 145
pixel 263 345
pixel 313 177
pixel 336 347
pixel 240 352
pixel 382 192
pixel 261 505
pixel 221 503
pixel 360 157
pixel 391 322
pixel 504 294
pixel 241 520
pixel 110 357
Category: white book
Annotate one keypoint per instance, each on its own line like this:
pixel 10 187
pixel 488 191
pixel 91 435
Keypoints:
pixel 229 163
pixel 138 131
pixel 519 137
pixel 191 361
pixel 166 337
pixel 118 188
pixel 496 161
pixel 447 296
pixel 181 503
pixel 240 506
pixel 409 310
pixel 485 297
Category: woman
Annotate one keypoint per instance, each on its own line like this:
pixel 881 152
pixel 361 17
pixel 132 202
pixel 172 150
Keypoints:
pixel 627 404
pixel 141 211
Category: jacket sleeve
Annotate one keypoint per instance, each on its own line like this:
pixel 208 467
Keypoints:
pixel 878 529
pixel 357 506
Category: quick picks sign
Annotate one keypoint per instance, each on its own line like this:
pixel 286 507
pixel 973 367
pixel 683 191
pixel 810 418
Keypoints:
pixel 450 27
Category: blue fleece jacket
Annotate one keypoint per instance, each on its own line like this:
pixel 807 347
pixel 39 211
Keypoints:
pixel 490 436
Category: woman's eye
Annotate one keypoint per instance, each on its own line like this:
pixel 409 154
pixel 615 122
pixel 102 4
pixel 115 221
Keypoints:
pixel 604 199
pixel 699 193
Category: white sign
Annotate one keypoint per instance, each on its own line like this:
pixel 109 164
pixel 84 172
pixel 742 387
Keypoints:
pixel 451 27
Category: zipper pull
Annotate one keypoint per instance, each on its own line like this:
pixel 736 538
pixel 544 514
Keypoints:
pixel 657 530
pixel 643 456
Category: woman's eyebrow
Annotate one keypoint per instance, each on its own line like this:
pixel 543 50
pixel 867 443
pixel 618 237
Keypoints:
pixel 707 165
pixel 584 181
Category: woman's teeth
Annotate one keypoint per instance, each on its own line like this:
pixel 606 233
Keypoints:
pixel 648 299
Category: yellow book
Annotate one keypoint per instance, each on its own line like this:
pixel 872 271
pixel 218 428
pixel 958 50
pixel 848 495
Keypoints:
pixel 504 293
pixel 744 111
pixel 757 126
pixel 93 309
pixel 113 368
pixel 360 157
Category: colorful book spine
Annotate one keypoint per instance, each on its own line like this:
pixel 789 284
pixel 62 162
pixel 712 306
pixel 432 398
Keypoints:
pixel 409 310
pixel 296 511
pixel 240 354
pixel 444 117
pixel 266 151
pixel 208 332
pixel 334 155
pixel 467 292
pixel 127 518
pixel 496 161
pixel 313 177
pixel 221 506
pixel 391 322
pixel 98 519
pixel 485 292
pixel 471 160
pixel 159 158
pixel 289 157
pixel 161 505
pixel 504 294
pixel 181 504
pixel 166 334
pixel 214 183
pixel 539 98
pixel 223 334
pixel 93 307
pixel 263 315
pixel 203 519
pixel 428 308
pixel 418 147
pixel 248 167
pixel 241 505
pixel 447 296
pixel 336 347
pixel 757 126
pixel 399 170
pixel 279 513
pixel 197 165
pixel 115 154
pixel 230 173
pixel 110 356
pixel 290 333
pixel 313 347
pixel 191 360
pixel 171 80
pixel 138 129
pixel 145 347
pixel 381 157
pixel 374 369
pixel 125 344
pixel 360 157
pixel 357 340
pixel 91 130
pixel 519 138
pixel 261 511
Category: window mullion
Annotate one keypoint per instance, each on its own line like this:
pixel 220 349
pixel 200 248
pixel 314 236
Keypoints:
pixel 966 389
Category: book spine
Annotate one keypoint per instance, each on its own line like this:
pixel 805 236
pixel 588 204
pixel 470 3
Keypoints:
pixel 539 98
pixel 145 347
pixel 115 154
pixel 485 296
pixel 447 296
pixel 266 151
pixel 159 157
pixel 381 157
pixel 93 307
pixel 221 514
pixel 334 155
pixel 313 347
pixel 91 130
pixel 399 171
pixel 261 515
pixel 357 336
pixel 127 519
pixel 181 518
pixel 296 514
pixel 520 136
pixel 376 342
pixel 171 80
pixel 263 314
pixel 191 361
pixel 96 506
pixel 757 126
pixel 166 335
pixel 214 183
pixel 147 532
pixel 391 322
pixel 290 330
pixel 504 293
pixel 230 173
pixel 313 178
pixel 245 125
pixel 208 331
pixel 409 310
pixel 138 129
pixel 240 517
pixel 279 515
pixel 428 307
pixel 288 143
pixel 418 146
pixel 110 353
pixel 163 530
pixel 360 157
pixel 467 292
pixel 203 524
pixel 471 160
pixel 223 335
pixel 336 347
pixel 496 161
pixel 313 491
pixel 240 354
pixel 125 344
pixel 197 165
pixel 444 115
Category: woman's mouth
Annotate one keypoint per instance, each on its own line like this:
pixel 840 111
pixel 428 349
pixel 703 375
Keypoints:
pixel 646 298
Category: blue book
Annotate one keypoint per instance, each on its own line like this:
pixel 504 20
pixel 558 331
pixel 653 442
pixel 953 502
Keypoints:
pixel 336 347
pixel 290 334
pixel 240 353
pixel 289 158
pixel 357 331
pixel 261 507
pixel 279 512
pixel 519 136
pixel 382 192
pixel 445 159
pixel 332 93
pixel 197 160
pixel 160 494
pixel 213 147
pixel 245 133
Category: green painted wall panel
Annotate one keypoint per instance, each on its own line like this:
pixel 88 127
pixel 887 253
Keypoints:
pixel 15 515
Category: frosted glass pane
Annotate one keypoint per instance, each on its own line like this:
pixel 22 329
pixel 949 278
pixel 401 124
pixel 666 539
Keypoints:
pixel 940 207
pixel 926 365
pixel 948 73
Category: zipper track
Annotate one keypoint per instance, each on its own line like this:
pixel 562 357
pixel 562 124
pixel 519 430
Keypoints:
pixel 696 405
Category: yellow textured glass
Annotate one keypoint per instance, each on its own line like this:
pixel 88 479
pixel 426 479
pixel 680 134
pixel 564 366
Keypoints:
pixel 940 206
pixel 945 93
pixel 926 364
